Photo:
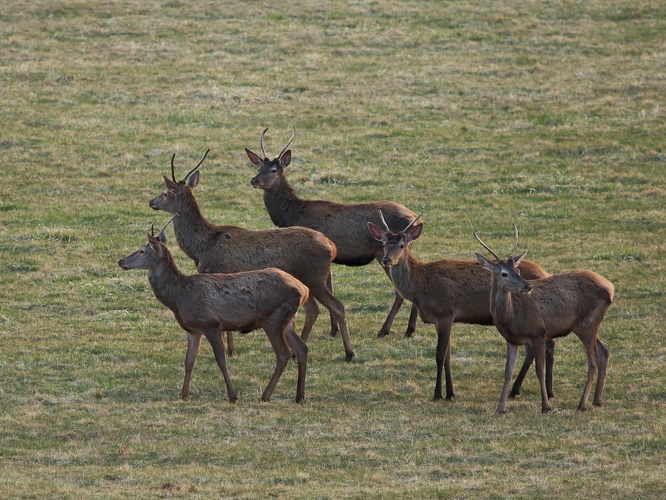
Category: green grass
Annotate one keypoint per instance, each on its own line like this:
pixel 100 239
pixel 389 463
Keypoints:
pixel 547 114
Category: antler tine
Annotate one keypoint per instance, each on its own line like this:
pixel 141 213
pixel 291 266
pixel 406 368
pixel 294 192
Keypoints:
pixel 485 246
pixel 261 142
pixel 152 229
pixel 173 174
pixel 515 244
pixel 168 222
pixel 381 217
pixel 413 221
pixel 293 134
pixel 195 168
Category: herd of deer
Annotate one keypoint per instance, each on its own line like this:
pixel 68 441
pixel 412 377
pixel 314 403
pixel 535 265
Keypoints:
pixel 260 278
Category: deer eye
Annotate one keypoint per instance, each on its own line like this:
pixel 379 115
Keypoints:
pixel 274 171
pixel 504 274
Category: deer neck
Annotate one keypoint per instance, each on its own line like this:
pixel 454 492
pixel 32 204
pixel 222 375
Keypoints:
pixel 193 232
pixel 284 207
pixel 166 280
pixel 405 276
pixel 502 305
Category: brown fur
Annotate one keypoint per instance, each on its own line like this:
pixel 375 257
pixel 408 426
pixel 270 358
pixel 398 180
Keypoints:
pixel 208 304
pixel 443 291
pixel 531 313
pixel 301 252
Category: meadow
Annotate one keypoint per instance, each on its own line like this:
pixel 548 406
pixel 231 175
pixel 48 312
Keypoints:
pixel 549 114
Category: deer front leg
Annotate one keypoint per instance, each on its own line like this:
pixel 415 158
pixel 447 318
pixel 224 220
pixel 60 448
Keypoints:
pixel 511 357
pixel 215 339
pixel 539 349
pixel 443 359
pixel 386 327
pixel 193 344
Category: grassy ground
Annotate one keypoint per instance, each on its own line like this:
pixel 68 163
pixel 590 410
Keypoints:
pixel 548 114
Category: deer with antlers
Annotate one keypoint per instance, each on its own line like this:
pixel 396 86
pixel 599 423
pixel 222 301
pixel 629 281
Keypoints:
pixel 533 312
pixel 208 304
pixel 444 291
pixel 304 253
pixel 343 224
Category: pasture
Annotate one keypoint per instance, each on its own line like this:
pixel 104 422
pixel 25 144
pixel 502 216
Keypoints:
pixel 548 114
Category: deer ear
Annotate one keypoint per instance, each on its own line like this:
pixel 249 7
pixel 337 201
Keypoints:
pixel 517 260
pixel 414 233
pixel 162 237
pixel 484 262
pixel 377 232
pixel 194 180
pixel 174 187
pixel 253 157
pixel 285 159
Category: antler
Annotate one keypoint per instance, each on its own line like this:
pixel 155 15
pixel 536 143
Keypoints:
pixel 293 134
pixel 167 223
pixel 381 217
pixel 261 142
pixel 413 221
pixel 173 174
pixel 485 246
pixel 182 181
pixel 515 244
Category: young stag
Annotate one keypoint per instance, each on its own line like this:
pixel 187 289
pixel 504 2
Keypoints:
pixel 531 313
pixel 208 304
pixel 301 252
pixel 444 291
pixel 343 224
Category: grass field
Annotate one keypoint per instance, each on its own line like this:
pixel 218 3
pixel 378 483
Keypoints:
pixel 549 114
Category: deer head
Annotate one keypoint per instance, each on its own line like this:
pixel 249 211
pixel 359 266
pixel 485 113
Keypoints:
pixel 149 255
pixel 270 172
pixel 170 200
pixel 395 244
pixel 505 272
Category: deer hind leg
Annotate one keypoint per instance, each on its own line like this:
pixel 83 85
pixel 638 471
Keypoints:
pixel 511 357
pixel 311 313
pixel 334 324
pixel 275 328
pixel 300 350
pixel 602 363
pixel 338 310
pixel 214 337
pixel 193 345
pixel 443 359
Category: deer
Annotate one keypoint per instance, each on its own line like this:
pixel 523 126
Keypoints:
pixel 443 291
pixel 208 304
pixel 531 312
pixel 343 224
pixel 304 253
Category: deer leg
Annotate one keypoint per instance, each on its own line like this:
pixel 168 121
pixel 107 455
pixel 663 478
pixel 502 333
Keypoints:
pixel 411 326
pixel 511 357
pixel 231 347
pixel 338 310
pixel 311 313
pixel 529 359
pixel 215 339
pixel 276 335
pixel 334 324
pixel 602 361
pixel 443 359
pixel 386 327
pixel 550 361
pixel 539 349
pixel 193 344
pixel 300 350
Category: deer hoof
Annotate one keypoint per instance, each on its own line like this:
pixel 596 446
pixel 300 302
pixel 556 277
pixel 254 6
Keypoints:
pixel 382 333
pixel 545 411
pixel 499 413
pixel 350 356
pixel 409 333
pixel 300 399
